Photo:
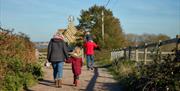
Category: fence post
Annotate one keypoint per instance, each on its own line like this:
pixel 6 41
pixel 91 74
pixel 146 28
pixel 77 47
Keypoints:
pixel 129 55
pixel 112 55
pixel 177 43
pixel 136 54
pixel 115 54
pixel 145 53
pixel 124 53
pixel 177 49
pixel 159 50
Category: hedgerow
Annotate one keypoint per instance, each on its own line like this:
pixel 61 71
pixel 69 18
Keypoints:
pixel 19 67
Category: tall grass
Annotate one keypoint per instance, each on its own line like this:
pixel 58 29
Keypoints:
pixel 102 57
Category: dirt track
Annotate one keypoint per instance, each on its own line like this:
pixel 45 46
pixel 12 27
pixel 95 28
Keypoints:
pixel 97 80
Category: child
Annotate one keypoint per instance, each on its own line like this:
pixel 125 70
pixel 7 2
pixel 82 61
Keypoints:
pixel 89 51
pixel 76 60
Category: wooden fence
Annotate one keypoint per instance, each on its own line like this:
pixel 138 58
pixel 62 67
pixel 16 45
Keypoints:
pixel 132 52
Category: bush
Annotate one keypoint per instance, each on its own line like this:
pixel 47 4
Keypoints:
pixel 20 76
pixel 28 80
pixel 157 76
pixel 36 70
pixel 12 82
pixel 125 72
pixel 18 69
pixel 16 82
pixel 102 56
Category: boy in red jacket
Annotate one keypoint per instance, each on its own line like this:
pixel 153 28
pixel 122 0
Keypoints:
pixel 76 60
pixel 89 51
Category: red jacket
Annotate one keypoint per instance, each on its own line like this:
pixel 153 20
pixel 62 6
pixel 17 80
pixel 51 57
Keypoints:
pixel 89 47
pixel 76 65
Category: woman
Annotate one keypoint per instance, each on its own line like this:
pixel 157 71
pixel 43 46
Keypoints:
pixel 57 53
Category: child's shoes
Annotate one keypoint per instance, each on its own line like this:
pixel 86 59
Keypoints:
pixel 76 83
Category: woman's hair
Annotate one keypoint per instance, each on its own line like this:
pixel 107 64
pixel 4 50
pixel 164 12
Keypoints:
pixel 58 36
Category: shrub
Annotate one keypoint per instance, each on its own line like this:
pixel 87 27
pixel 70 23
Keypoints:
pixel 125 72
pixel 35 69
pixel 12 82
pixel 28 80
pixel 18 81
pixel 19 76
pixel 157 76
pixel 102 56
pixel 18 69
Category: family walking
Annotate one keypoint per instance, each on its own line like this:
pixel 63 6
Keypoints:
pixel 58 54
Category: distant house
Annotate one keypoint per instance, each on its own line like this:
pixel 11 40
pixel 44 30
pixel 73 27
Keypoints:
pixel 70 32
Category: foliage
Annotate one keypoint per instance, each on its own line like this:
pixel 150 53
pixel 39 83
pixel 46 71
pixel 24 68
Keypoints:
pixel 157 76
pixel 19 75
pixel 12 83
pixel 19 68
pixel 146 38
pixel 102 55
pixel 162 76
pixel 134 39
pixel 18 81
pixel 35 69
pixel 124 71
pixel 91 19
pixel 16 45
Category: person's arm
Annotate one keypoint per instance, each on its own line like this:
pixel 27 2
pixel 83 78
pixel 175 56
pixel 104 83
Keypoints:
pixel 85 45
pixel 49 50
pixel 65 50
pixel 69 60
pixel 95 45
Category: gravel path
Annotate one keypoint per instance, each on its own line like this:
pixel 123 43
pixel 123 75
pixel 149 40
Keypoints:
pixel 97 80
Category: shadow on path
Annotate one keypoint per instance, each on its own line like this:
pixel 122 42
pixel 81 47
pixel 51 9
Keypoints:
pixel 113 87
pixel 108 86
pixel 105 66
pixel 26 89
pixel 42 82
pixel 93 80
pixel 46 83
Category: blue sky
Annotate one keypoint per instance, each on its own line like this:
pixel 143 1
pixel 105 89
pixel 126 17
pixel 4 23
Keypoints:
pixel 41 18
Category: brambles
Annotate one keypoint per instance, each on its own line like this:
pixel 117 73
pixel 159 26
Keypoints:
pixel 19 68
pixel 160 75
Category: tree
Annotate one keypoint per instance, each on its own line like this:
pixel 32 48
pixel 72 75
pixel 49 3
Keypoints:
pixel 91 19
pixel 134 39
pixel 154 38
pixel 145 38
